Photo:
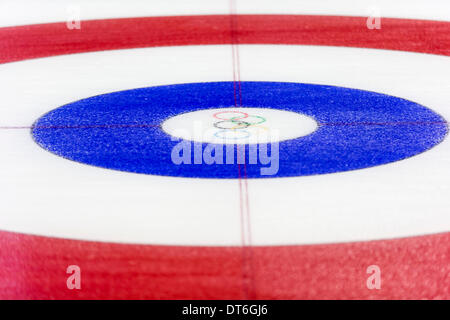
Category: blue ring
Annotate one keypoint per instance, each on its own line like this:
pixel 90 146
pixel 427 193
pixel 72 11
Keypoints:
pixel 357 129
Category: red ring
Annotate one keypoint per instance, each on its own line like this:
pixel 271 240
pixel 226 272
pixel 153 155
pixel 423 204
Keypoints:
pixel 45 40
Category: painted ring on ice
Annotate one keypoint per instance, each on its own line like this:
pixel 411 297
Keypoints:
pixel 55 39
pixel 356 129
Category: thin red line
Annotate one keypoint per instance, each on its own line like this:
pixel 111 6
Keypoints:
pixel 244 255
pixel 393 123
pixel 243 187
pixel 246 189
pixel 249 234
pixel 234 70
pixel 84 126
pixel 238 64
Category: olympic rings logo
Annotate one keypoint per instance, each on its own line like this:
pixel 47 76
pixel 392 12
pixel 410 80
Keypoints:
pixel 235 124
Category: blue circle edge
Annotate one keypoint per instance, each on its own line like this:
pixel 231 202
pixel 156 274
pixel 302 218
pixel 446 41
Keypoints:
pixel 357 129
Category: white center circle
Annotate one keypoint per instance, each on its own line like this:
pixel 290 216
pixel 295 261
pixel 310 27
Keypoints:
pixel 239 125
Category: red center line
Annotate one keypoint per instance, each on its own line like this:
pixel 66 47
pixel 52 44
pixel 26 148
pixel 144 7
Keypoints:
pixel 247 265
pixel 88 126
pixel 144 125
pixel 387 123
